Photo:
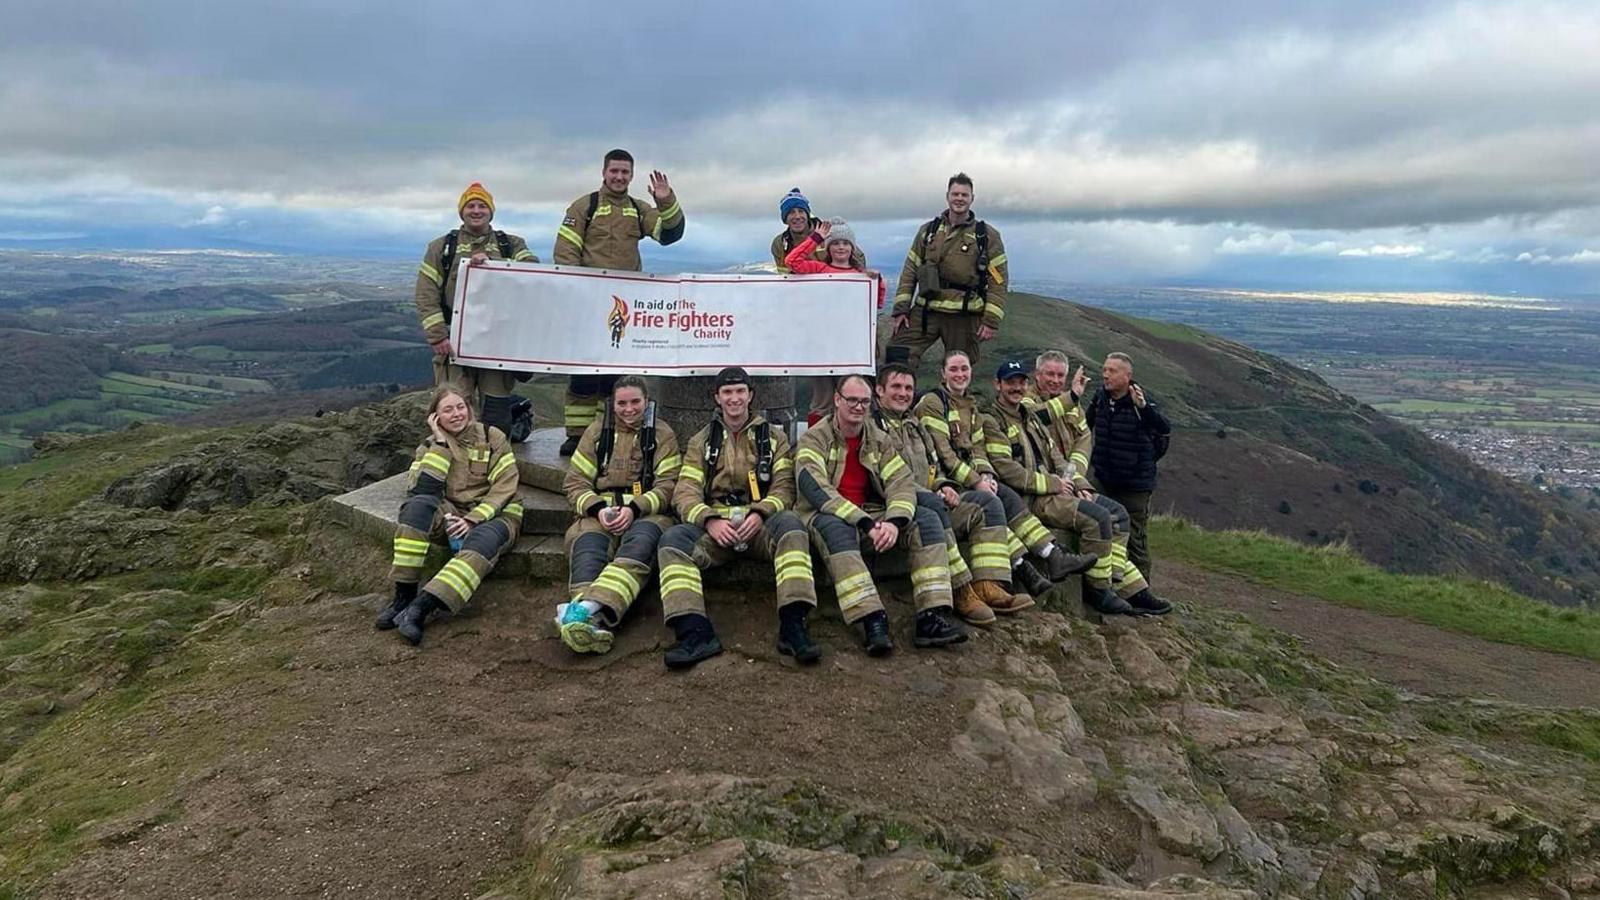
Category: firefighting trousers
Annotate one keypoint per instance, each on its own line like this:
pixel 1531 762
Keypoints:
pixel 585 401
pixel 1089 522
pixel 609 569
pixel 1125 576
pixel 687 549
pixel 422 521
pixel 980 521
pixel 956 331
pixel 923 537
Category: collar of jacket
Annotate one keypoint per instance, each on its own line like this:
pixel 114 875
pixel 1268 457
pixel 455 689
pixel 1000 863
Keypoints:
pixel 972 218
pixel 872 437
pixel 607 196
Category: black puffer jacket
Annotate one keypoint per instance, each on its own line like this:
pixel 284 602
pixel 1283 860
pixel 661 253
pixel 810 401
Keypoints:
pixel 1125 441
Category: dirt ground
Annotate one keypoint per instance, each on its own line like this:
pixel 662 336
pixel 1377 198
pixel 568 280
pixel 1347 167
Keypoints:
pixel 1408 654
pixel 366 768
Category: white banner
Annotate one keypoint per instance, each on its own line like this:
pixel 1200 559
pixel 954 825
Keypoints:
pixel 543 318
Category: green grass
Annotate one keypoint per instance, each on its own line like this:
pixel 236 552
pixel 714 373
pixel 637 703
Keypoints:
pixel 233 383
pixel 1339 575
pixel 1428 406
pixel 152 348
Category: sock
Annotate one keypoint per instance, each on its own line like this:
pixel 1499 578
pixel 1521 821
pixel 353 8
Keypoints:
pixel 591 606
pixel 1047 549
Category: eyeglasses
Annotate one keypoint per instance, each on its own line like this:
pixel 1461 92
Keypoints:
pixel 857 402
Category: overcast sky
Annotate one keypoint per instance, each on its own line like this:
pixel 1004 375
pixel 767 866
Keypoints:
pixel 1357 143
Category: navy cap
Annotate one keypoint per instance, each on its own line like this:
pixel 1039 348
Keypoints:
pixel 1010 369
pixel 731 375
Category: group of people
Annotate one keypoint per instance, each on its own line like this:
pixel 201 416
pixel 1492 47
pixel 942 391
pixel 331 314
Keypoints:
pixel 977 495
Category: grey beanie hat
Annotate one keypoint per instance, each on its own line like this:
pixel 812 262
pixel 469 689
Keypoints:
pixel 841 231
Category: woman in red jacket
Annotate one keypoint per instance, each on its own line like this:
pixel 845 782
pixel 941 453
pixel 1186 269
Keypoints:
pixel 839 242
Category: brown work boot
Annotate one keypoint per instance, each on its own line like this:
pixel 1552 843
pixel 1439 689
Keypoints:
pixel 997 598
pixel 970 606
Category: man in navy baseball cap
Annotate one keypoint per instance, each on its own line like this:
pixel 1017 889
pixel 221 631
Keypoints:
pixel 1010 369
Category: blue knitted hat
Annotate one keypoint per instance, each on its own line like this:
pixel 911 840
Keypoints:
pixel 791 201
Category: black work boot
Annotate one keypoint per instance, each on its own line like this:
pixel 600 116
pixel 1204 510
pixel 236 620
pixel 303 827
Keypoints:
pixel 1146 603
pixel 696 641
pixel 1061 565
pixel 935 628
pixel 875 634
pixel 1026 577
pixel 570 445
pixel 404 593
pixel 1105 601
pixel 793 639
pixel 413 617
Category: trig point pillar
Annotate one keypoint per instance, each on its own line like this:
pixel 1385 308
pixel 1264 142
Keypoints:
pixel 686 403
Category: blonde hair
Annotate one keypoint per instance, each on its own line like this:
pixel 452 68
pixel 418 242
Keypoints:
pixel 446 389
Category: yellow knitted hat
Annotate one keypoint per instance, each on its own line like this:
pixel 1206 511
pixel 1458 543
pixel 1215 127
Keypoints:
pixel 475 191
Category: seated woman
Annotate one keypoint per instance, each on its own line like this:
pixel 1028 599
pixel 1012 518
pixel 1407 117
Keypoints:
pixel 463 487
pixel 838 241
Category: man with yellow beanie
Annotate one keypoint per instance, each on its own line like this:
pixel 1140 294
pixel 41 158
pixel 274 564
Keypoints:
pixel 436 291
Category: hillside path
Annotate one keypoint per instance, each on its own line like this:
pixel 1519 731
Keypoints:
pixel 1409 654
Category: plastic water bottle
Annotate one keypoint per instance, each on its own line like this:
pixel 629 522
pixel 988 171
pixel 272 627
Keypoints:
pixel 736 519
pixel 455 545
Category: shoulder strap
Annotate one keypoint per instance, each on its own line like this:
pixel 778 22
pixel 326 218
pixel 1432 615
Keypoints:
pixel 594 204
pixel 639 215
pixel 647 447
pixel 447 258
pixel 504 240
pixel 713 453
pixel 763 455
pixel 608 442
pixel 930 230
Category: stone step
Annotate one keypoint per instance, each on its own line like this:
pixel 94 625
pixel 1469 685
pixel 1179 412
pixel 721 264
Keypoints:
pixel 539 460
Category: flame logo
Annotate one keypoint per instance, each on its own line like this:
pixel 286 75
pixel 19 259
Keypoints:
pixel 617 321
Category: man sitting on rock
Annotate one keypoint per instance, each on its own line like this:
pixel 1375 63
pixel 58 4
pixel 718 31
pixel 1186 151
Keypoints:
pixel 734 495
pixel 953 420
pixel 1023 458
pixel 1055 405
pixel 981 589
pixel 854 486
pixel 620 483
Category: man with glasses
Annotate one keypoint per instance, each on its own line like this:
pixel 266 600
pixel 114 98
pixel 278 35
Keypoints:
pixel 853 486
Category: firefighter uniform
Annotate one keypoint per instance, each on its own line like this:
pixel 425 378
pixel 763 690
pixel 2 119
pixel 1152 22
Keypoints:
pixel 435 296
pixel 1024 458
pixel 955 424
pixel 473 475
pixel 602 230
pixel 979 518
pixel 839 524
pixel 704 493
pixel 609 569
pixel 970 293
pixel 1073 442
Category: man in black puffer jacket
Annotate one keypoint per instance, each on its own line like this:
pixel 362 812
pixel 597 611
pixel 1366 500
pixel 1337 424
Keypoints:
pixel 1130 434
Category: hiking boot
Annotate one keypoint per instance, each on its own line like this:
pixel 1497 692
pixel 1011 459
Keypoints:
pixel 935 628
pixel 1027 578
pixel 404 593
pixel 570 445
pixel 1061 565
pixel 793 639
pixel 580 632
pixel 696 641
pixel 999 599
pixel 970 605
pixel 1145 603
pixel 1106 602
pixel 411 620
pixel 875 634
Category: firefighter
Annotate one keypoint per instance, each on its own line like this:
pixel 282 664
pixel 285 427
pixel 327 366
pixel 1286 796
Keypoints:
pixel 473 242
pixel 951 416
pixel 795 212
pixel 735 495
pixel 853 486
pixel 1023 458
pixel 620 483
pixel 462 487
pixel 602 230
pixel 953 286
pixel 1055 405
pixel 978 516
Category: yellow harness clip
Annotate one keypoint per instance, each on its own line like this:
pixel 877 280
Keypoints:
pixel 755 489
pixel 638 488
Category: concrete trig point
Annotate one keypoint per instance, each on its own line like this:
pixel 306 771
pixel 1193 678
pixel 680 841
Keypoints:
pixel 687 404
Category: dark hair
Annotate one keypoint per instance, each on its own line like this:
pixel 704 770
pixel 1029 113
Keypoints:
pixel 958 178
pixel 845 379
pixel 625 156
pixel 889 370
pixel 631 381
